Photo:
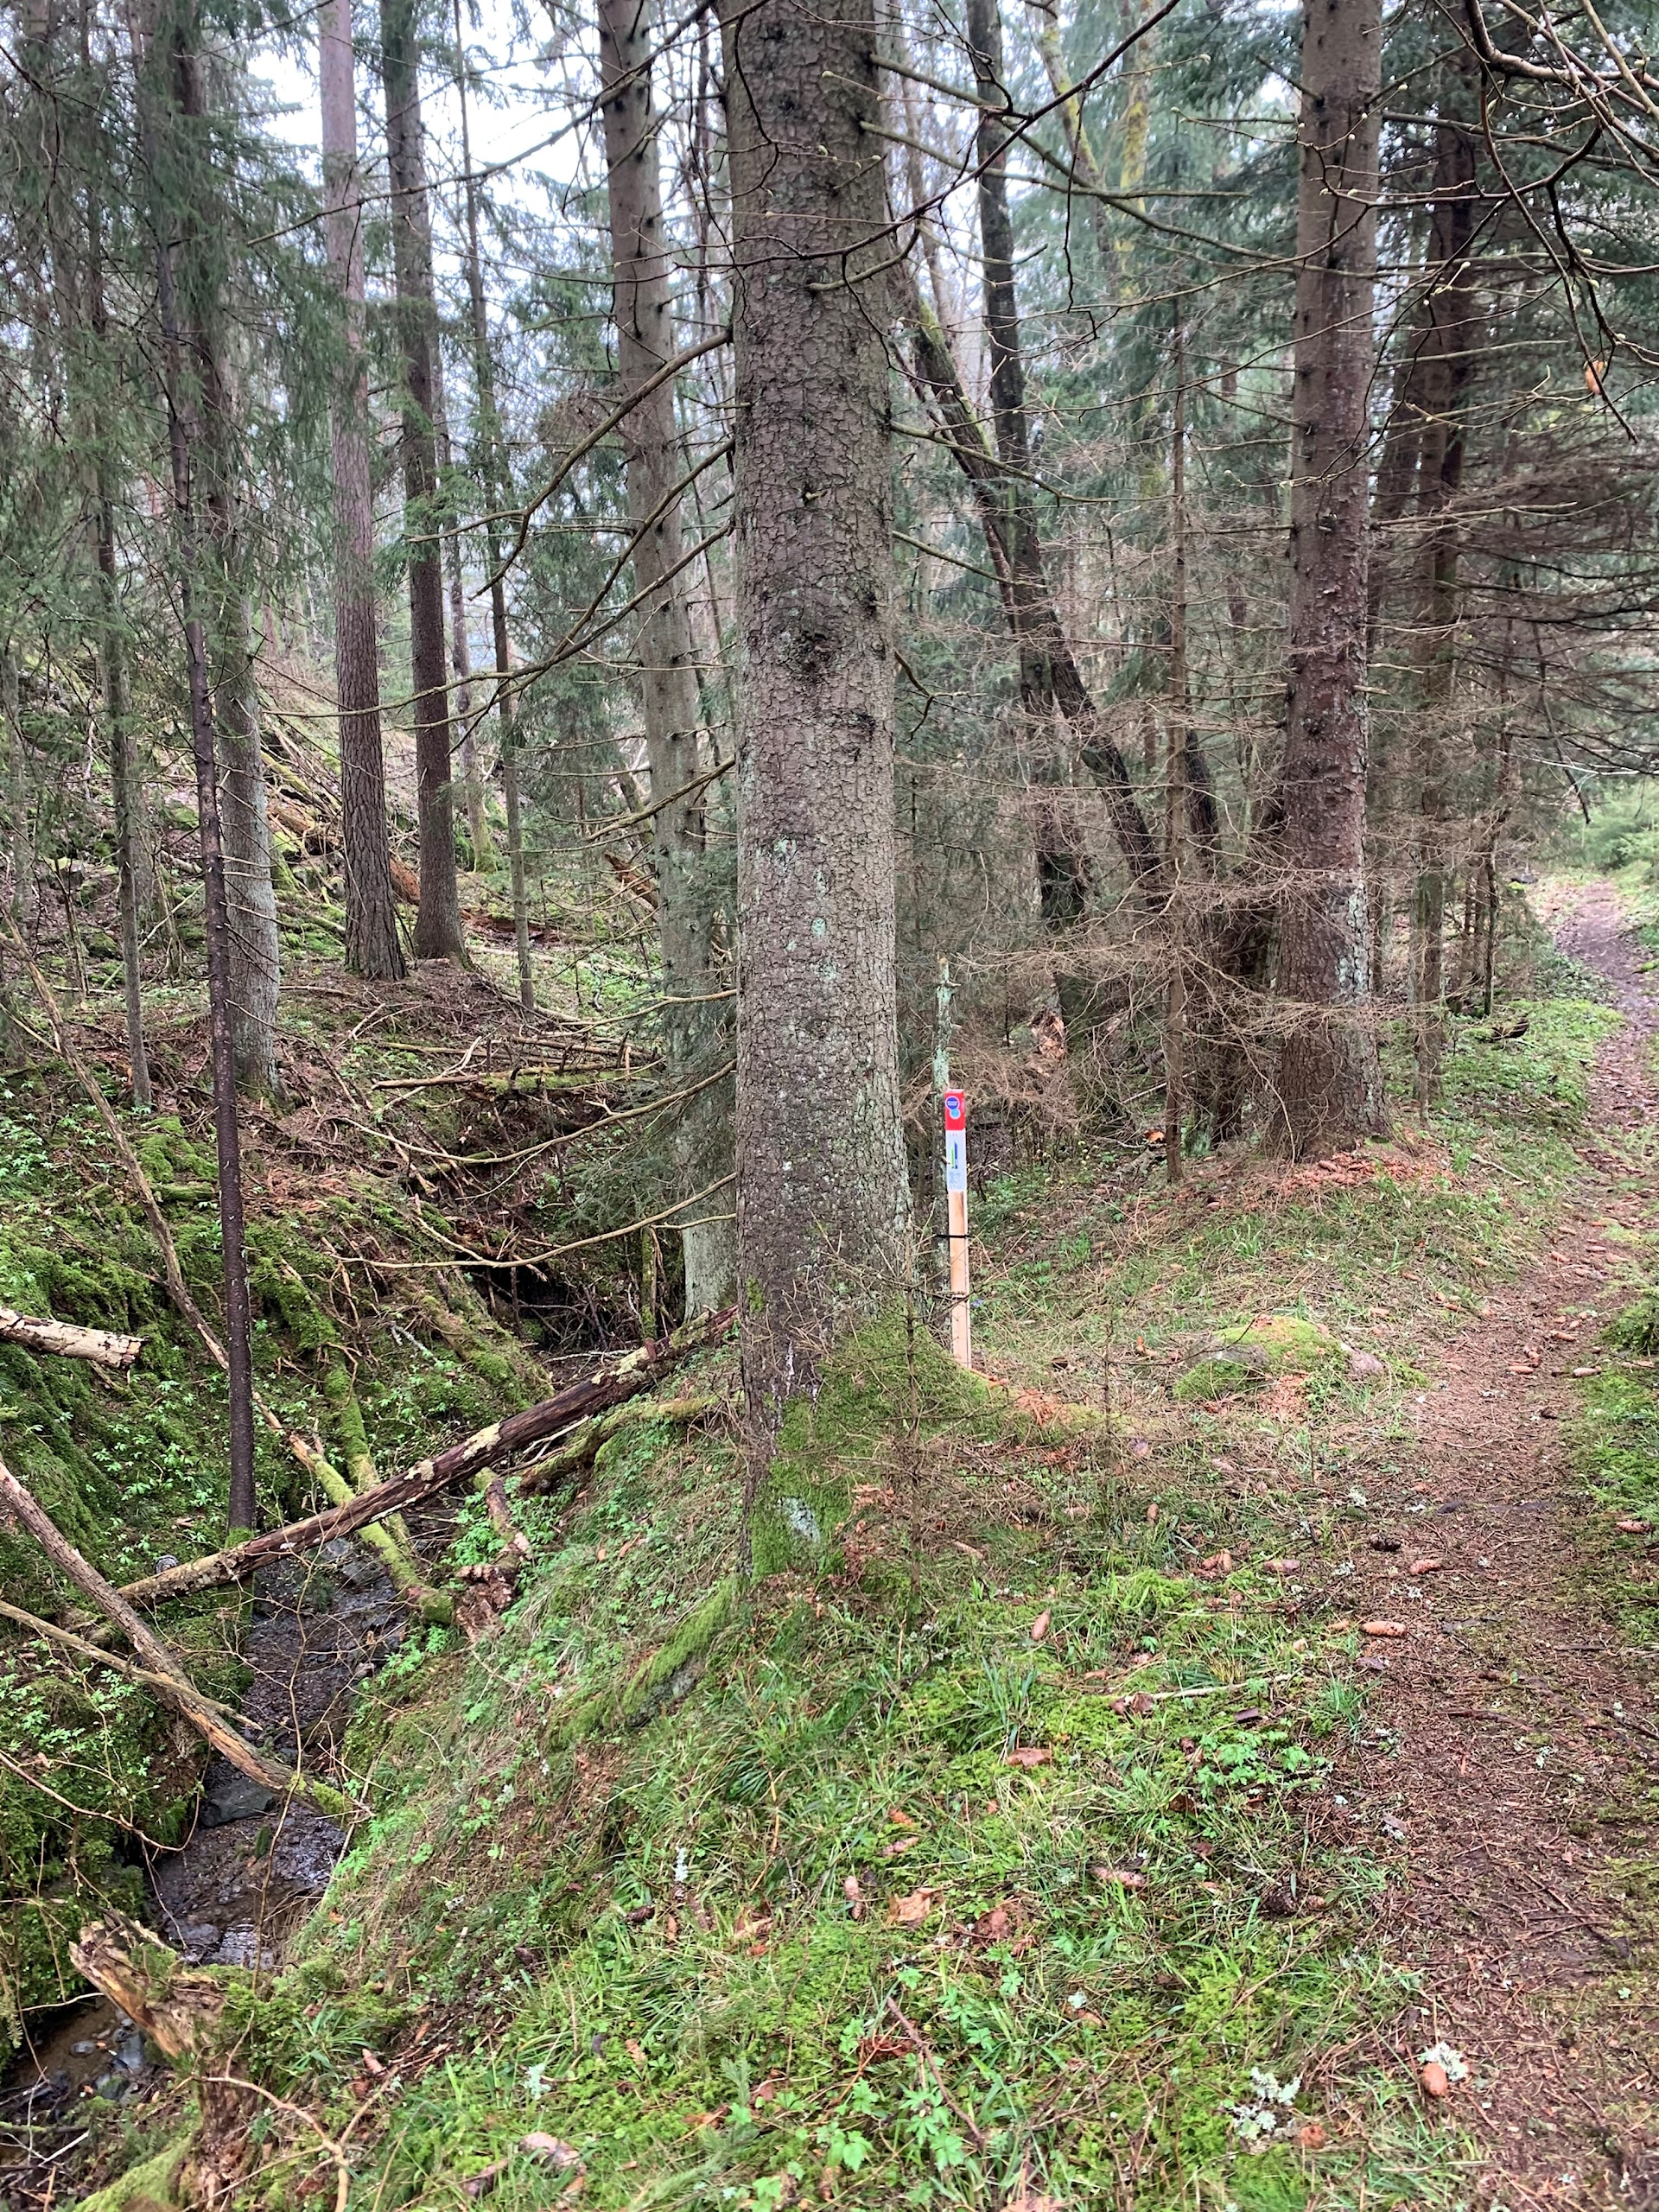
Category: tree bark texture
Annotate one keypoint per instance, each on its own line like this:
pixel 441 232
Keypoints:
pixel 824 1201
pixel 371 946
pixel 645 338
pixel 1330 1088
pixel 437 924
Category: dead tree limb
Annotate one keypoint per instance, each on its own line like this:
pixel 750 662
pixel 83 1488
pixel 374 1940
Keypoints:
pixel 53 1633
pixel 182 2010
pixel 172 1685
pixel 579 1448
pixel 105 1346
pixel 618 1379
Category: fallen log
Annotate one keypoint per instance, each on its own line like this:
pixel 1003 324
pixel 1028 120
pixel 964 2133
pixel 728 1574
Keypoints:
pixel 618 1379
pixel 104 1346
pixel 173 1686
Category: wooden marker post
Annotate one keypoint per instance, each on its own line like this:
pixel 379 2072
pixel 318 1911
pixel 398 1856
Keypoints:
pixel 955 1200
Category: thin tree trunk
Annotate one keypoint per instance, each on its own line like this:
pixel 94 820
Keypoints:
pixel 644 328
pixel 1175 752
pixel 824 1197
pixel 18 796
pixel 256 974
pixel 184 439
pixel 460 650
pixel 498 490
pixel 1446 363
pixel 124 787
pixel 125 784
pixel 437 925
pixel 1330 1087
pixel 255 969
pixel 371 947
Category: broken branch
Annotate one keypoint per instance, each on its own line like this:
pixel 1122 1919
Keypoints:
pixel 104 1346
pixel 172 1685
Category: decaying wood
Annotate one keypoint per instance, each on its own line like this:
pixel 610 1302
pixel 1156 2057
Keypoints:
pixel 105 1346
pixel 182 2010
pixel 616 1380
pixel 172 1685
pixel 584 1441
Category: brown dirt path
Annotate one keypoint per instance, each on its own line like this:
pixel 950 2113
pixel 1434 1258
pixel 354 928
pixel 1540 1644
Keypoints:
pixel 1512 1757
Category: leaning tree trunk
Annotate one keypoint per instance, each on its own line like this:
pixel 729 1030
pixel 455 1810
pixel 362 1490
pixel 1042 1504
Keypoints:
pixel 1330 1087
pixel 437 924
pixel 823 1202
pixel 644 328
pixel 371 947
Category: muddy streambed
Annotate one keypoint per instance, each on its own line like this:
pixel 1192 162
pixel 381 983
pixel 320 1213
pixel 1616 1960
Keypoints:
pixel 249 1872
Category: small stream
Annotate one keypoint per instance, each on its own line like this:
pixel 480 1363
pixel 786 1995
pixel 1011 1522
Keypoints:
pixel 248 1873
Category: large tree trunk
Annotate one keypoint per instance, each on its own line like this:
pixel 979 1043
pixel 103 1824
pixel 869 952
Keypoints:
pixel 371 947
pixel 437 925
pixel 644 333
pixel 19 799
pixel 1330 1088
pixel 823 1201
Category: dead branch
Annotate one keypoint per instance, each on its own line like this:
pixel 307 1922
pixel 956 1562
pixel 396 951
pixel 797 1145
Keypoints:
pixel 182 2010
pixel 617 1379
pixel 53 1633
pixel 585 1440
pixel 172 1685
pixel 105 1346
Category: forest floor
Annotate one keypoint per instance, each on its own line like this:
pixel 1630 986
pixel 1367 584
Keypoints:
pixel 1516 1759
pixel 1048 1827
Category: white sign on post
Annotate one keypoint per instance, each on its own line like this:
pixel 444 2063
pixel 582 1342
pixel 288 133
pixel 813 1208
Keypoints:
pixel 955 1104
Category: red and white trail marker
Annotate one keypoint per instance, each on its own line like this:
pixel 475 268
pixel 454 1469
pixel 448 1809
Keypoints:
pixel 955 1200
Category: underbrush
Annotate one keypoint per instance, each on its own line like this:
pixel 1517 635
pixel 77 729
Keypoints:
pixel 92 1773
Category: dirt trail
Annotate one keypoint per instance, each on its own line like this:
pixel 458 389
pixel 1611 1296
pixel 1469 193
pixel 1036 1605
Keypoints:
pixel 1516 1747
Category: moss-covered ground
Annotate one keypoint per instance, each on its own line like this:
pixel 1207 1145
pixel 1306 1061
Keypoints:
pixel 975 1852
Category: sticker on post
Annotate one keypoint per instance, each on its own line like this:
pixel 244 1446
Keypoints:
pixel 956 1159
